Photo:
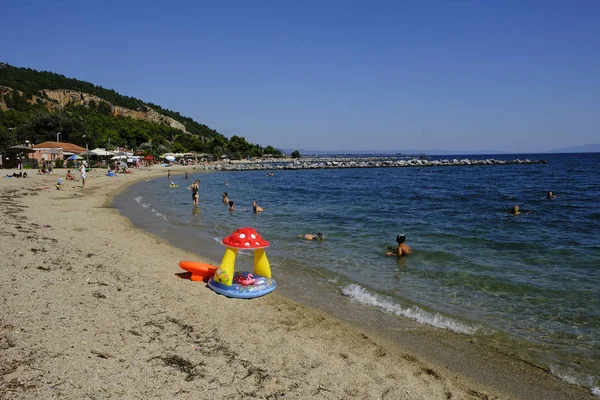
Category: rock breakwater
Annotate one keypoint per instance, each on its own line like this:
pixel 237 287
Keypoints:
pixel 329 163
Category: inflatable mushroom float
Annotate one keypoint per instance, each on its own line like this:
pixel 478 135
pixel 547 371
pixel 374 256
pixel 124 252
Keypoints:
pixel 243 284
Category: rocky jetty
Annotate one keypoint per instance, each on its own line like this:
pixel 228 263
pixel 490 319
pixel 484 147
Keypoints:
pixel 375 162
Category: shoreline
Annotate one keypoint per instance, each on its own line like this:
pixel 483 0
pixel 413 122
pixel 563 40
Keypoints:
pixel 93 305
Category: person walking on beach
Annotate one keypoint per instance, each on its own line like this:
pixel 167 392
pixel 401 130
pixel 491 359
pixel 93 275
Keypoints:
pixel 195 188
pixel 256 208
pixel 402 250
pixel 82 171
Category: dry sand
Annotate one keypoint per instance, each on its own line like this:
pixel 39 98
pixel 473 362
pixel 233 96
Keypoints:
pixel 91 307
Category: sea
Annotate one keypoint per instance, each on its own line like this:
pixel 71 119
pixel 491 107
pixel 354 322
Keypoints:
pixel 529 283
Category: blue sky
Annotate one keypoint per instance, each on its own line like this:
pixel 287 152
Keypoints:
pixel 516 76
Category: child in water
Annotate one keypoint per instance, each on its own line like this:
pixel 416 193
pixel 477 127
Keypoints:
pixel 312 236
pixel 402 250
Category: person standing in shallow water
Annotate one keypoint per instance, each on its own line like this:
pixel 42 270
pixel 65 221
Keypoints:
pixel 231 207
pixel 402 250
pixel 195 188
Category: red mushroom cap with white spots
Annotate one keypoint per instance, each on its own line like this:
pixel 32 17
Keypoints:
pixel 245 238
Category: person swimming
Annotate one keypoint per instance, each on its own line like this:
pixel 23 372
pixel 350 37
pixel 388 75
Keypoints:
pixel 256 208
pixel 515 210
pixel 231 205
pixel 402 250
pixel 225 198
pixel 550 196
pixel 312 236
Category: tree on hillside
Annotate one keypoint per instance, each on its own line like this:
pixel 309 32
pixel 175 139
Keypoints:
pixel 295 154
pixel 218 146
pixel 238 147
pixel 269 150
pixel 7 138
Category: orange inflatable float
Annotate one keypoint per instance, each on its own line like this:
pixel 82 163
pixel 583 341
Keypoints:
pixel 200 271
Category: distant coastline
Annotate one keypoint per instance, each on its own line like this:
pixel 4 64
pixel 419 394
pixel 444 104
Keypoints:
pixel 589 148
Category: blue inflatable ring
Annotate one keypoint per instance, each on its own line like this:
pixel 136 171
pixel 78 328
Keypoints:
pixel 261 287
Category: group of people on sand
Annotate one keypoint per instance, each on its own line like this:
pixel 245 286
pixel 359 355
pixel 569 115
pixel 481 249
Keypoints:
pixel 515 210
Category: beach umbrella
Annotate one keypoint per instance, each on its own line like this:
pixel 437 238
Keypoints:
pixel 20 149
pixel 118 157
pixel 169 158
pixel 88 153
pixel 75 157
pixel 148 158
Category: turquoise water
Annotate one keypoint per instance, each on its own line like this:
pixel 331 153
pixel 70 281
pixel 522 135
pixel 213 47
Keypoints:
pixel 528 284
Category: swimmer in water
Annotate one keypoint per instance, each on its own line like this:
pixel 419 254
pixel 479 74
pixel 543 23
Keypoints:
pixel 312 236
pixel 402 250
pixel 550 196
pixel 225 198
pixel 231 207
pixel 256 208
pixel 515 210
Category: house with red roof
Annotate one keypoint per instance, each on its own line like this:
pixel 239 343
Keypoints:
pixel 51 151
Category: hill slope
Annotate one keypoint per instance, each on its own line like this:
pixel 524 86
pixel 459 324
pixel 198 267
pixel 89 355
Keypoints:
pixel 39 105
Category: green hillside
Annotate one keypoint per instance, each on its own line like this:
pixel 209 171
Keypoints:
pixel 31 115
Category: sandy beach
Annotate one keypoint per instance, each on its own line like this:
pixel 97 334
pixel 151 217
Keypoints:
pixel 91 307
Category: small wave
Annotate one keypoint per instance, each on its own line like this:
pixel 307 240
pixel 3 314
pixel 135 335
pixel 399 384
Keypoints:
pixel 574 378
pixel 141 203
pixel 161 215
pixel 361 295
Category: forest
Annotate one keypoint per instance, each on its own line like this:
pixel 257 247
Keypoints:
pixel 27 117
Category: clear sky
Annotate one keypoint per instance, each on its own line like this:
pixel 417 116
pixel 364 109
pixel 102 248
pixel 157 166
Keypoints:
pixel 516 76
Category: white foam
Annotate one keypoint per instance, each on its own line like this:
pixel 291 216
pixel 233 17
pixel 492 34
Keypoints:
pixel 570 376
pixel 361 295
pixel 139 200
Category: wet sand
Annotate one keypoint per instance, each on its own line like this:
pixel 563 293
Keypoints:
pixel 91 307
